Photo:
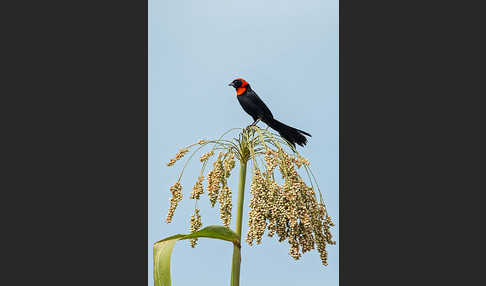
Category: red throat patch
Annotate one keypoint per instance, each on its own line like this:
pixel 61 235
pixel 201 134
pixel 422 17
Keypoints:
pixel 240 90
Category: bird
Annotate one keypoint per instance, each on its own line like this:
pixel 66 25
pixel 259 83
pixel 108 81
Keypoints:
pixel 256 108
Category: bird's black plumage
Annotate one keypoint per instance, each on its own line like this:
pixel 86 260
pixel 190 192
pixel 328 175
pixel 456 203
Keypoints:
pixel 257 109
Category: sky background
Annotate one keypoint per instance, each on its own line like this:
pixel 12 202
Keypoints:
pixel 288 52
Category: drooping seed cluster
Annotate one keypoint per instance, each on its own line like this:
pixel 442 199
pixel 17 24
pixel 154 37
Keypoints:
pixel 225 197
pixel 299 161
pixel 195 225
pixel 259 208
pixel 324 222
pixel 291 210
pixel 178 156
pixel 217 187
pixel 275 210
pixel 197 189
pixel 228 164
pixel 206 156
pixel 225 205
pixel 176 191
pixel 215 176
pixel 271 157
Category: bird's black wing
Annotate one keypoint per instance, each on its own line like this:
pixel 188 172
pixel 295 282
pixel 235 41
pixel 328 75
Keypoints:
pixel 255 99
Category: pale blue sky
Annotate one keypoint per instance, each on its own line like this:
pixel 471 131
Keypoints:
pixel 288 52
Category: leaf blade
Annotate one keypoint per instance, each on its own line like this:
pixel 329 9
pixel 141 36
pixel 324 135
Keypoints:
pixel 163 249
pixel 162 254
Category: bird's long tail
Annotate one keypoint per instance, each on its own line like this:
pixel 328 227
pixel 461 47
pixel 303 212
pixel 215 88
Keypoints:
pixel 293 135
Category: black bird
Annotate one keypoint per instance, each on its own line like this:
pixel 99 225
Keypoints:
pixel 255 107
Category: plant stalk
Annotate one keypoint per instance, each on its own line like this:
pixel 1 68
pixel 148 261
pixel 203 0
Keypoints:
pixel 235 270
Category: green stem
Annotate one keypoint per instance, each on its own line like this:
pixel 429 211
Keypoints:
pixel 235 270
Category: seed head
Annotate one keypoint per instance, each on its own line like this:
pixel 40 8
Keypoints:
pixel 197 189
pixel 195 225
pixel 205 156
pixel 228 164
pixel 258 209
pixel 288 210
pixel 291 210
pixel 299 161
pixel 225 205
pixel 215 177
pixel 271 157
pixel 178 156
pixel 176 191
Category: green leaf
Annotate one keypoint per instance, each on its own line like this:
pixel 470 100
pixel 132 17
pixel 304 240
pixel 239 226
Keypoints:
pixel 163 249
pixel 162 252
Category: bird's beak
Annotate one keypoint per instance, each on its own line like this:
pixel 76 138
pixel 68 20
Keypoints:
pixel 232 84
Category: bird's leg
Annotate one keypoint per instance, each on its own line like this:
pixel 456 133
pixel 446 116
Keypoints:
pixel 255 122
